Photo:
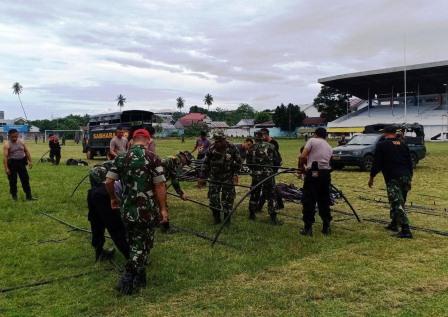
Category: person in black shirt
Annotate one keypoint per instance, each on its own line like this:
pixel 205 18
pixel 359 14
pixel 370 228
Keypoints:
pixel 244 147
pixel 55 149
pixel 393 159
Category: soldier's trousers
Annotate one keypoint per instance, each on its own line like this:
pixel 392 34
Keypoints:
pixel 262 193
pixel 316 190
pixel 18 168
pixel 141 240
pixel 221 196
pixel 55 156
pixel 397 191
pixel 101 217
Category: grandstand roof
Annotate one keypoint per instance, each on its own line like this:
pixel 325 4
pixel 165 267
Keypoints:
pixel 429 77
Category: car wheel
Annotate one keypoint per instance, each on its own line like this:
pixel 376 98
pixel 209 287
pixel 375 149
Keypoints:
pixel 90 154
pixel 414 159
pixel 367 163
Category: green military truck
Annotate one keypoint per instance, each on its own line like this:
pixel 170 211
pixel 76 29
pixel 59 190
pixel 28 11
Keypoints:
pixel 101 129
pixel 359 151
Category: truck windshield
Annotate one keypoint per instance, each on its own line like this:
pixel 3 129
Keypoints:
pixel 363 140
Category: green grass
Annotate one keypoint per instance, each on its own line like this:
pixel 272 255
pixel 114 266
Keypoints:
pixel 359 271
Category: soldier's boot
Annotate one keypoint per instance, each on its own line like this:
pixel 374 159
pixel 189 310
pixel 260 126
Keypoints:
pixel 405 232
pixel 126 283
pixel 252 213
pixel 140 279
pixel 326 229
pixel 217 217
pixel 29 197
pixel 274 220
pixel 307 231
pixel 227 221
pixel 393 226
pixel 104 255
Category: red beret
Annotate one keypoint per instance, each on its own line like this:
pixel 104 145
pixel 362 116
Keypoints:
pixel 141 133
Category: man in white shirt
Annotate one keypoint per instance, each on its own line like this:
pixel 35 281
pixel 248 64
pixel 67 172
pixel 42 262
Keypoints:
pixel 314 161
pixel 118 144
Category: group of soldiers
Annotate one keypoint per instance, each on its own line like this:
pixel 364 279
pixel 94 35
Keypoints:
pixel 128 195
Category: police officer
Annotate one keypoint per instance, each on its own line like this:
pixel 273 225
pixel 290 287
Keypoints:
pixel 393 159
pixel 142 204
pixel 314 161
pixel 16 157
pixel 101 216
pixel 222 163
pixel 260 159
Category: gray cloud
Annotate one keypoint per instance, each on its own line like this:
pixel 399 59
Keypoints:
pixel 263 52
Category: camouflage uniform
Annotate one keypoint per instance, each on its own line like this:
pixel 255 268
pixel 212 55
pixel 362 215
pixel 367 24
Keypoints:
pixel 221 167
pixel 172 167
pixel 262 153
pixel 138 170
pixel 397 191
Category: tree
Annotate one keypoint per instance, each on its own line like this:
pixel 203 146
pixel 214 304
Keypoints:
pixel 121 100
pixel 208 100
pixel 17 90
pixel 262 117
pixel 180 103
pixel 331 103
pixel 198 109
pixel 288 117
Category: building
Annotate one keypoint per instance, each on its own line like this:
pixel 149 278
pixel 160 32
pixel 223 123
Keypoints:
pixel 215 126
pixel 386 97
pixel 194 118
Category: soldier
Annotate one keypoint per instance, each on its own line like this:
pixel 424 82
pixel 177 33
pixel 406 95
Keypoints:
pixel 221 164
pixel 142 203
pixel 393 159
pixel 15 159
pixel 202 145
pixel 55 149
pixel 260 159
pixel 101 216
pixel 172 169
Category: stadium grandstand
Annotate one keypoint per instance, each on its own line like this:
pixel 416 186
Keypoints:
pixel 406 94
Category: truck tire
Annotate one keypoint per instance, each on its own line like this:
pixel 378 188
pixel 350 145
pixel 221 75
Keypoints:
pixel 90 154
pixel 414 159
pixel 367 162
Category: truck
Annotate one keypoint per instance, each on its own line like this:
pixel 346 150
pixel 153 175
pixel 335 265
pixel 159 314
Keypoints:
pixel 101 129
pixel 360 150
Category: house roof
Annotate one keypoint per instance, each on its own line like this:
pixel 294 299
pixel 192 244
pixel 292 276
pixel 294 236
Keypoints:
pixel 267 124
pixel 246 123
pixel 191 118
pixel 313 121
pixel 218 125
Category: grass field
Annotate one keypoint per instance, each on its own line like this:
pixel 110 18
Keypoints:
pixel 272 271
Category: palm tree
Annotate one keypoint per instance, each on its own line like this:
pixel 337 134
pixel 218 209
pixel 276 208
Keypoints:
pixel 208 100
pixel 17 90
pixel 180 103
pixel 121 100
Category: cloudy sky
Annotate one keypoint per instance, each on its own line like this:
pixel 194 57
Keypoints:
pixel 76 56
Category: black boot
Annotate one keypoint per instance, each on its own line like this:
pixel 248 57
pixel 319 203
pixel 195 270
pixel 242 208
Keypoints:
pixel 140 279
pixel 14 197
pixel 217 217
pixel 392 226
pixel 104 255
pixel 307 231
pixel 326 229
pixel 252 215
pixel 227 221
pixel 126 283
pixel 405 232
pixel 274 220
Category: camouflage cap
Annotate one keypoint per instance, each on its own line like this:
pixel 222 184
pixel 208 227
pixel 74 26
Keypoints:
pixel 219 135
pixel 97 175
